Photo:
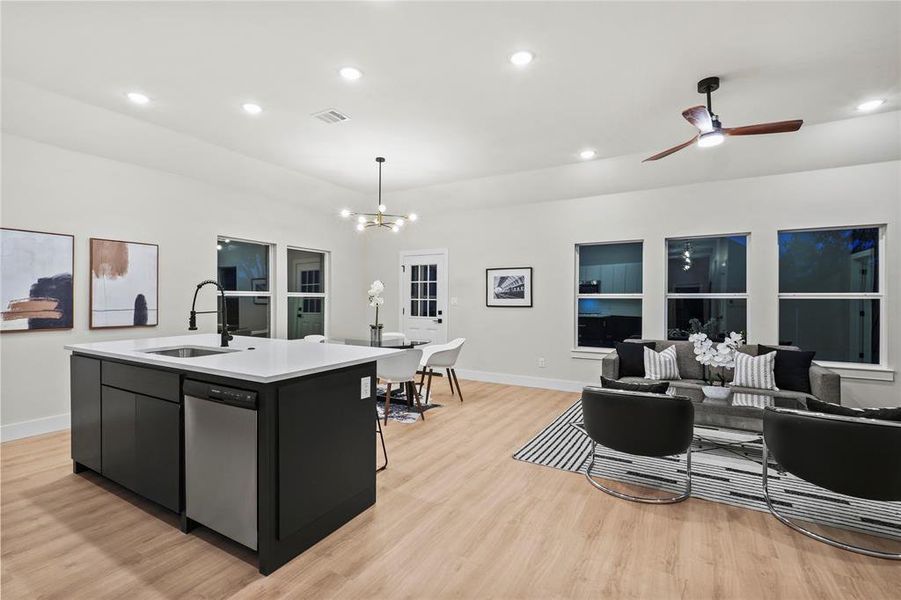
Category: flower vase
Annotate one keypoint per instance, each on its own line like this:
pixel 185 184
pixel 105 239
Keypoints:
pixel 375 334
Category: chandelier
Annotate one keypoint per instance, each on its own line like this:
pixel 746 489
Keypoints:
pixel 380 218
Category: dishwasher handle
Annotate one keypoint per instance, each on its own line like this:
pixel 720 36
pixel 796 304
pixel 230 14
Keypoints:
pixel 220 393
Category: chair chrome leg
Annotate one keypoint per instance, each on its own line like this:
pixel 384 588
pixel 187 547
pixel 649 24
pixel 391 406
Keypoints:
pixel 818 537
pixel 457 383
pixel 643 499
pixel 378 428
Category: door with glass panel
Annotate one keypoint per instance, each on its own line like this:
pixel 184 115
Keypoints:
pixel 424 296
pixel 306 293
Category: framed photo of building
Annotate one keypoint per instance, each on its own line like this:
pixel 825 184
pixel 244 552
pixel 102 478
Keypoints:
pixel 509 287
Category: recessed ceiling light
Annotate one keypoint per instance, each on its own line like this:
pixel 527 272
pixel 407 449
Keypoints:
pixel 521 58
pixel 870 105
pixel 138 97
pixel 252 109
pixel 350 73
pixel 587 154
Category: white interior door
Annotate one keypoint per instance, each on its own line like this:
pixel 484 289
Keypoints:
pixel 424 295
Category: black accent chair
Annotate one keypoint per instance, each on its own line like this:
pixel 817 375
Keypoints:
pixel 848 455
pixel 638 423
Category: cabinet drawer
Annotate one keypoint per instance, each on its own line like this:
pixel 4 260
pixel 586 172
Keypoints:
pixel 150 382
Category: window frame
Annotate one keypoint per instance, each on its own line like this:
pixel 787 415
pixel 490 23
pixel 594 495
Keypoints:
pixel 746 296
pixel 323 295
pixel 602 296
pixel 220 239
pixel 880 295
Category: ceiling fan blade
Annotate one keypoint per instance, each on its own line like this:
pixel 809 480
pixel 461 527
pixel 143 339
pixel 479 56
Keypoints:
pixel 763 128
pixel 666 153
pixel 699 116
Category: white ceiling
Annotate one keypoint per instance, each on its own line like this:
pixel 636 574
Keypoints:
pixel 439 98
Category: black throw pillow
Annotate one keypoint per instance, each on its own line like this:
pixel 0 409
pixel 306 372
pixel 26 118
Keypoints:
pixel 631 358
pixel 889 413
pixel 792 368
pixel 645 388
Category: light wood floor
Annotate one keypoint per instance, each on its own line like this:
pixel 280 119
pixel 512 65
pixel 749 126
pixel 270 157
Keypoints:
pixel 456 517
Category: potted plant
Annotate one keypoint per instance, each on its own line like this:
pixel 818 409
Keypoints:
pixel 716 358
pixel 375 301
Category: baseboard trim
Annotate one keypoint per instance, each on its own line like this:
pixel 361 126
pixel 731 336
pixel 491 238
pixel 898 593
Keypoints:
pixel 24 429
pixel 562 385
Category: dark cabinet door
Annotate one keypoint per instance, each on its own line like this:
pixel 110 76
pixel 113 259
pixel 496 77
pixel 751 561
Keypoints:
pixel 158 450
pixel 118 436
pixel 85 411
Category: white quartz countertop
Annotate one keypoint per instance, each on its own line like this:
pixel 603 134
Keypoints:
pixel 269 360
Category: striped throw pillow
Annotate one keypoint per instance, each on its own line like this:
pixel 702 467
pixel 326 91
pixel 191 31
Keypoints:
pixel 661 366
pixel 755 371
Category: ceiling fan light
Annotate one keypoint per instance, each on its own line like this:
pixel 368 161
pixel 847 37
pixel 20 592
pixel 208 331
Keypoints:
pixel 382 208
pixel 400 222
pixel 395 228
pixel 361 219
pixel 360 227
pixel 412 217
pixel 710 139
pixel 345 213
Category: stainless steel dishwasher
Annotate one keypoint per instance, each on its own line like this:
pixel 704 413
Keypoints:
pixel 221 459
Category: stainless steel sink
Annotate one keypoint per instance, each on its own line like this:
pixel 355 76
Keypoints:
pixel 190 351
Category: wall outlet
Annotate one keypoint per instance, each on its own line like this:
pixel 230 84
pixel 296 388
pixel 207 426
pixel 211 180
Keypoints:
pixel 365 388
pixel 542 363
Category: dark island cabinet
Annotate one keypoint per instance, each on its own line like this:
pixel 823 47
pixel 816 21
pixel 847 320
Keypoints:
pixel 128 435
pixel 86 412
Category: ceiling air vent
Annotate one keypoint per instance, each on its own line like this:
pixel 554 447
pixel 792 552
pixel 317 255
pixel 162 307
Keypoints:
pixel 330 115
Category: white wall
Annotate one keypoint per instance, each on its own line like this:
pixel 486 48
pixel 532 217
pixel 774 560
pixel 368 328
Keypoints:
pixel 48 188
pixel 543 235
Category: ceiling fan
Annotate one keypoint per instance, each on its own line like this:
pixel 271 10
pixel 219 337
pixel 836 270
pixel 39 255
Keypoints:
pixel 710 130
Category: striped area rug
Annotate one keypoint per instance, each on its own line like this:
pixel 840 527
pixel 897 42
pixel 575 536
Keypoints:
pixel 732 476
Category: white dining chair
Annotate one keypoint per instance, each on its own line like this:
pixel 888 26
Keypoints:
pixel 314 338
pixel 393 335
pixel 441 356
pixel 399 370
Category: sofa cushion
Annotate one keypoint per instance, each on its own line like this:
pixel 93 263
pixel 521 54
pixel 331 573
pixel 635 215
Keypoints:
pixel 689 368
pixel 792 368
pixel 755 371
pixel 754 349
pixel 654 387
pixel 889 413
pixel 631 358
pixel 661 365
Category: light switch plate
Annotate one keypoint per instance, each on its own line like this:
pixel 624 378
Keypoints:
pixel 365 388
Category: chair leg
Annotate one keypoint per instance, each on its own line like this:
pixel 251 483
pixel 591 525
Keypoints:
pixel 387 403
pixel 421 379
pixel 642 499
pixel 450 381
pixel 428 387
pixel 820 538
pixel 408 393
pixel 415 395
pixel 457 383
pixel 378 428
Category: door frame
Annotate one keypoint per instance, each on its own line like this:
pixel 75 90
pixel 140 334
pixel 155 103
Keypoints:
pixel 442 281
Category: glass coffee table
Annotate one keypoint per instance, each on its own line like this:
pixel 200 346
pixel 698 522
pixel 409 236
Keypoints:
pixel 734 423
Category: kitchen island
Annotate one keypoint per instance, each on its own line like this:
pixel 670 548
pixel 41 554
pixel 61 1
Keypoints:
pixel 269 442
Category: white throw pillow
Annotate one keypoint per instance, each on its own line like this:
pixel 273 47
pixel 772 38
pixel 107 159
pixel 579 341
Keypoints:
pixel 755 371
pixel 661 366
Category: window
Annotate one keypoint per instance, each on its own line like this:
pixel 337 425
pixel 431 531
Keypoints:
pixel 243 269
pixel 706 286
pixel 306 293
pixel 830 297
pixel 608 293
pixel 424 290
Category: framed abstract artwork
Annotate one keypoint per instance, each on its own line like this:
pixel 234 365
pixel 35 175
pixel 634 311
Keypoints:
pixel 124 284
pixel 509 287
pixel 36 289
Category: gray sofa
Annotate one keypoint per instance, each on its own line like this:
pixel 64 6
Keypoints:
pixel 824 384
